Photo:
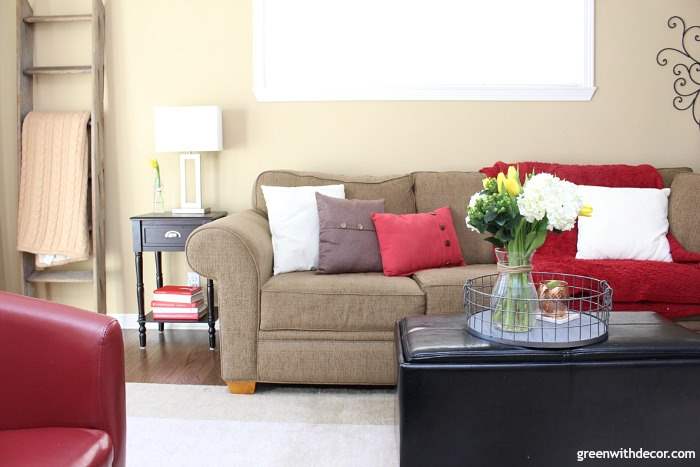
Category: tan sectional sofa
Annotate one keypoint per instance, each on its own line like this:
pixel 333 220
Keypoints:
pixel 304 327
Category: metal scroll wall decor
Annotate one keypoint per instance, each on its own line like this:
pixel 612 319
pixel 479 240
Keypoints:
pixel 686 68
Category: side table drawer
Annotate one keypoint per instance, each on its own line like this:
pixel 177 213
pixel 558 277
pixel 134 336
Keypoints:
pixel 167 235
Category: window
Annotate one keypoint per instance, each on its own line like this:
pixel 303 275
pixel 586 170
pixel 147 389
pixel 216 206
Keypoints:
pixel 327 50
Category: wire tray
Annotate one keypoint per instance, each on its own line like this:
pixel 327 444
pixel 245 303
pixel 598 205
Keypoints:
pixel 580 318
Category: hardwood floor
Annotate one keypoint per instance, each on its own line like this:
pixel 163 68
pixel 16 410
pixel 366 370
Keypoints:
pixel 175 356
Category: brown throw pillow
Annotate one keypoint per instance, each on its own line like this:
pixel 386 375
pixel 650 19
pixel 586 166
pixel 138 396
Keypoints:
pixel 347 239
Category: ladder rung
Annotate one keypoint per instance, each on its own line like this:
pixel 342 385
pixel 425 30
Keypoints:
pixel 57 19
pixel 57 70
pixel 60 276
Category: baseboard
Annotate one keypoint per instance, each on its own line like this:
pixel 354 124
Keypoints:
pixel 129 321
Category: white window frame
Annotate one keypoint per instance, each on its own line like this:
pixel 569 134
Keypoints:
pixel 585 92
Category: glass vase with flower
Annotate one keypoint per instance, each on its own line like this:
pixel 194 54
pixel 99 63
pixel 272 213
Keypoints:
pixel 158 201
pixel 518 217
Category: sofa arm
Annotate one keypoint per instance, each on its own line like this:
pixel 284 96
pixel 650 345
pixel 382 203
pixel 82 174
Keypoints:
pixel 235 251
pixel 61 367
pixel 683 210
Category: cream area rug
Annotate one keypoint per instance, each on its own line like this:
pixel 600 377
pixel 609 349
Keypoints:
pixel 182 425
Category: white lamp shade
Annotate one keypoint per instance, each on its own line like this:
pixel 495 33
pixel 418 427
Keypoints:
pixel 188 129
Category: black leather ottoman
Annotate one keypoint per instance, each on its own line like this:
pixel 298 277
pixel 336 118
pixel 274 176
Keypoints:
pixel 464 401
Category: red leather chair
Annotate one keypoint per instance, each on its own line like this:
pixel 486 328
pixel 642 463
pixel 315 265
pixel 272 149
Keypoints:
pixel 61 386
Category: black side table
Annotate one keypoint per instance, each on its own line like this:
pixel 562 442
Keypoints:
pixel 160 232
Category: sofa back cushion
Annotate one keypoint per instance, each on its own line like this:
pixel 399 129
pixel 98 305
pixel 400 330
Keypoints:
pixel 453 189
pixel 684 221
pixel 669 174
pixel 396 191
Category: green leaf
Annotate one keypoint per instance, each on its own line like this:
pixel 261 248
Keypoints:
pixel 540 236
pixel 530 237
pixel 492 229
pixel 495 242
pixel 504 235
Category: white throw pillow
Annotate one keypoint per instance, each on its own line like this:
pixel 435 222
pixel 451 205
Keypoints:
pixel 294 225
pixel 627 223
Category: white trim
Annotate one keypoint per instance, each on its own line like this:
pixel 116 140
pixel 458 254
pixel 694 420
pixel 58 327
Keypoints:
pixel 551 93
pixel 476 93
pixel 589 44
pixel 130 321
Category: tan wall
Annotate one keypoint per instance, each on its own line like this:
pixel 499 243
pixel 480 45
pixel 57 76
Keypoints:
pixel 199 52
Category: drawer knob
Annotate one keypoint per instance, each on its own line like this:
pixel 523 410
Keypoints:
pixel 172 234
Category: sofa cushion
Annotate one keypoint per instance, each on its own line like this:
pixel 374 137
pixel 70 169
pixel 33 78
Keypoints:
pixel 669 174
pixel 55 446
pixel 683 210
pixel 396 191
pixel 339 302
pixel 443 287
pixel 453 189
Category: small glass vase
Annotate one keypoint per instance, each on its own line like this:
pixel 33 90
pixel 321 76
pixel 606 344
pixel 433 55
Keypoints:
pixel 514 301
pixel 158 201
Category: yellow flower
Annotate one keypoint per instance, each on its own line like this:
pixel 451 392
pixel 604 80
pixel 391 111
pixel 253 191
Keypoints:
pixel 586 210
pixel 511 182
pixel 499 182
pixel 512 186
pixel 485 182
pixel 154 163
pixel 513 173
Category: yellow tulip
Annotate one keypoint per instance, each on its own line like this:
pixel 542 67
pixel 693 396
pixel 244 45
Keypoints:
pixel 485 182
pixel 513 173
pixel 586 210
pixel 512 186
pixel 499 182
pixel 154 163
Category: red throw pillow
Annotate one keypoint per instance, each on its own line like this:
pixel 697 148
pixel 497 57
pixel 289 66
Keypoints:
pixel 411 242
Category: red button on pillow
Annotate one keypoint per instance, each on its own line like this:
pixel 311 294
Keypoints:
pixel 411 242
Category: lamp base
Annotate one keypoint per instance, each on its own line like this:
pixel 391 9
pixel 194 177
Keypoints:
pixel 188 206
pixel 190 210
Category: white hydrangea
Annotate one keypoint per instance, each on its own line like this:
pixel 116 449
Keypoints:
pixel 544 194
pixel 474 199
pixel 472 202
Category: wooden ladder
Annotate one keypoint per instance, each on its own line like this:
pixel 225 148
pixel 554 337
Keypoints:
pixel 26 22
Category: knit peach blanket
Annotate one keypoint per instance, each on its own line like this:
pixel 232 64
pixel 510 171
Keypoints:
pixel 53 196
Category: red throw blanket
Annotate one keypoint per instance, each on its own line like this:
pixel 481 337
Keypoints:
pixel 672 289
pixel 613 175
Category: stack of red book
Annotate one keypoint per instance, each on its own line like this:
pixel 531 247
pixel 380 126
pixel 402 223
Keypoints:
pixel 175 302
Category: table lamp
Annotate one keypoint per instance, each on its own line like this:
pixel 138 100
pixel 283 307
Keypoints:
pixel 189 131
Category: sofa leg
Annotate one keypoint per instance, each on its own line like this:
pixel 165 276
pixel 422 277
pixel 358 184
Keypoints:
pixel 241 387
